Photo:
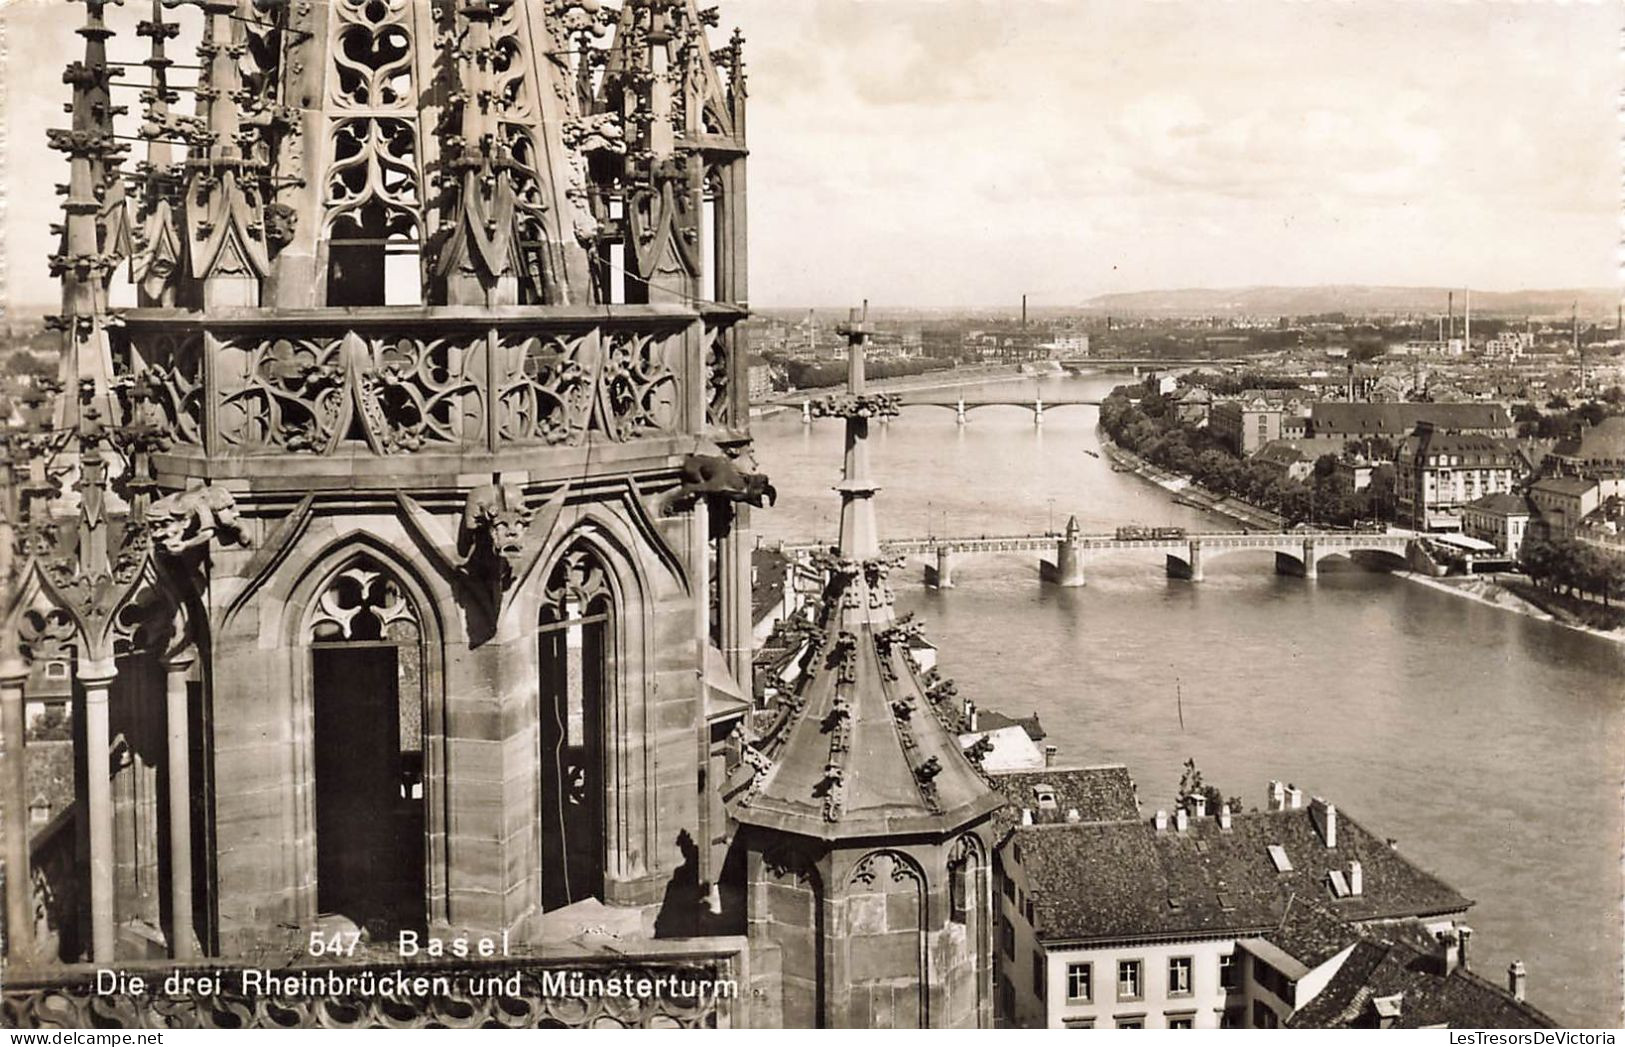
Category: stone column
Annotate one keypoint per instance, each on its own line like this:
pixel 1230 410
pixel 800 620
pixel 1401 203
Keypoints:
pixel 182 942
pixel 1196 561
pixel 1310 570
pixel 19 882
pixel 945 567
pixel 1068 562
pixel 96 677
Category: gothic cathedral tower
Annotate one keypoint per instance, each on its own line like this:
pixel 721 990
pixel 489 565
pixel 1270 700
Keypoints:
pixel 366 547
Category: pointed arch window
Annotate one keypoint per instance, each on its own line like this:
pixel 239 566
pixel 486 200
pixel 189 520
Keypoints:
pixel 575 659
pixel 367 677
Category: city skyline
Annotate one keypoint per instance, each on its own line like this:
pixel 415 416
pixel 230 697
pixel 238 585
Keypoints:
pixel 950 130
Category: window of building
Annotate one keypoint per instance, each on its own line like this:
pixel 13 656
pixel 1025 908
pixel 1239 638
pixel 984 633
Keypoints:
pixel 1027 911
pixel 1233 1018
pixel 1078 1023
pixel 1009 888
pixel 1263 1017
pixel 1229 973
pixel 1007 937
pixel 1179 976
pixel 1129 979
pixel 1182 1020
pixel 958 890
pixel 1040 989
pixel 1080 982
pixel 1131 1021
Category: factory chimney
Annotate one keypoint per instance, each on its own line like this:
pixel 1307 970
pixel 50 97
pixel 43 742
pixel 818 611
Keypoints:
pixel 1024 312
pixel 1467 332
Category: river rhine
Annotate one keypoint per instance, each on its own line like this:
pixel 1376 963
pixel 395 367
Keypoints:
pixel 1490 745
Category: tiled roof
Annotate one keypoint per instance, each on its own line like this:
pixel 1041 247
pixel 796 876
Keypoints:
pixel 1394 419
pixel 1126 879
pixel 1426 995
pixel 1503 502
pixel 1604 441
pixel 1098 794
pixel 1569 485
pixel 1472 450
pixel 989 720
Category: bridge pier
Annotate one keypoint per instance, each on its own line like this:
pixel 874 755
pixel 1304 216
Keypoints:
pixel 1038 411
pixel 941 576
pixel 1069 557
pixel 959 411
pixel 1311 569
pixel 1189 568
pixel 806 412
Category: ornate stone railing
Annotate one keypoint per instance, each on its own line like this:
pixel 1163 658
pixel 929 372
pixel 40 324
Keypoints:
pixel 258 382
pixel 665 990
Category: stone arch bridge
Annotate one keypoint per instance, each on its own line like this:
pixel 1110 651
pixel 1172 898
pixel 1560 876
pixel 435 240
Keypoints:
pixel 962 405
pixel 1296 553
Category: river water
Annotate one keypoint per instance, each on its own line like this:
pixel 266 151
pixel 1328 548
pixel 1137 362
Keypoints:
pixel 1489 744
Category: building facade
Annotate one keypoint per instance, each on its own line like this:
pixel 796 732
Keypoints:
pixel 1436 474
pixel 1245 425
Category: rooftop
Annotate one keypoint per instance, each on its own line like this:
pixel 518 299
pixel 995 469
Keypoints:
pixel 1394 419
pixel 1569 485
pixel 1503 503
pixel 1422 995
pixel 1099 794
pixel 1604 441
pixel 1108 880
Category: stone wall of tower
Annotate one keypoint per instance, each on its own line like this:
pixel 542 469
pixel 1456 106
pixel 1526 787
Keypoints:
pixel 480 680
pixel 884 946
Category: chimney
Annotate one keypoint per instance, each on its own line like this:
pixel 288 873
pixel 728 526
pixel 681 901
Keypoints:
pixel 1445 952
pixel 1466 934
pixel 1049 755
pixel 1162 821
pixel 1294 798
pixel 1198 805
pixel 1182 820
pixel 1277 797
pixel 1516 979
pixel 1356 878
pixel 1325 817
pixel 970 715
pixel 1224 817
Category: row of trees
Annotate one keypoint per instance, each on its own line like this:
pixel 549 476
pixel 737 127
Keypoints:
pixel 1573 567
pixel 821 374
pixel 1152 429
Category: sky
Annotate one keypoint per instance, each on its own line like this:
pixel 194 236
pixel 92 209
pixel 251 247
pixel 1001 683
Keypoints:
pixel 964 152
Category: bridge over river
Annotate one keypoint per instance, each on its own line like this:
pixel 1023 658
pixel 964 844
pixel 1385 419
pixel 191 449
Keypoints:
pixel 962 405
pixel 1296 552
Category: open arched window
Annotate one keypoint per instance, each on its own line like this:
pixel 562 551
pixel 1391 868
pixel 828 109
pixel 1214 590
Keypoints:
pixel 367 685
pixel 575 659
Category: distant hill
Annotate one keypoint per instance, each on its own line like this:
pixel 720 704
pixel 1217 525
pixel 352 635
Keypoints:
pixel 1595 302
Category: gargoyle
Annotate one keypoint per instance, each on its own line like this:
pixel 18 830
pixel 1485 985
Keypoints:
pixel 493 535
pixel 189 519
pixel 719 479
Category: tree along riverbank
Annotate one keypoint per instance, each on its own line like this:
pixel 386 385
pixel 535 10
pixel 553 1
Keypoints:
pixel 1187 491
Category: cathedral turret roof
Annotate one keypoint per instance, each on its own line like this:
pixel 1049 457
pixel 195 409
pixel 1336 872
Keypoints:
pixel 863 749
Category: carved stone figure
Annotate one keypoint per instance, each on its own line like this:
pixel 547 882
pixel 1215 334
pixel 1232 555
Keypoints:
pixel 493 536
pixel 189 519
pixel 713 476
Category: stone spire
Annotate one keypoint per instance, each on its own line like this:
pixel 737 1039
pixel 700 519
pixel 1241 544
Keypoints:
pixel 864 749
pixel 859 537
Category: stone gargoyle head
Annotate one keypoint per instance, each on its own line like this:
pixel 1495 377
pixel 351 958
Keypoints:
pixel 495 518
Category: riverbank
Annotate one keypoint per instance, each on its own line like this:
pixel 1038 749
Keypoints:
pixel 1187 491
pixel 1493 590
